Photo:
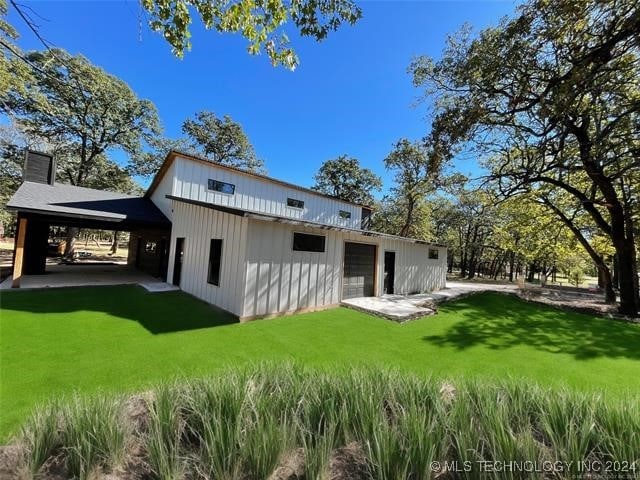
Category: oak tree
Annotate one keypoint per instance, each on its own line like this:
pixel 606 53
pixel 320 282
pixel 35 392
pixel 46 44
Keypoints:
pixel 344 178
pixel 552 96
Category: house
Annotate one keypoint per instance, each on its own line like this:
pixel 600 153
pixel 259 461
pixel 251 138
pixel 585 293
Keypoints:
pixel 253 245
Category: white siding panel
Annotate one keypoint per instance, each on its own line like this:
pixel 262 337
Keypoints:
pixel 259 195
pixel 164 188
pixel 198 226
pixel 279 280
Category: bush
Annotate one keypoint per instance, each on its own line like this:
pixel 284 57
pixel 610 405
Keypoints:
pixel 244 423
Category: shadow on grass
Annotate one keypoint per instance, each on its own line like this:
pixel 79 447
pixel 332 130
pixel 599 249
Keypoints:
pixel 500 321
pixel 159 313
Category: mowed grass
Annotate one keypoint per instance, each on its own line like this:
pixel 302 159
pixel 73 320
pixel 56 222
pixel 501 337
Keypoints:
pixel 114 339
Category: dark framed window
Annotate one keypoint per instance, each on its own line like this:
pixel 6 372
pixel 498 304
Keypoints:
pixel 365 219
pixel 222 187
pixel 215 260
pixel 433 253
pixel 344 214
pixel 150 247
pixel 292 202
pixel 305 242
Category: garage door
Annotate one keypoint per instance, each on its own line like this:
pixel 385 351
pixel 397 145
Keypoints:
pixel 359 270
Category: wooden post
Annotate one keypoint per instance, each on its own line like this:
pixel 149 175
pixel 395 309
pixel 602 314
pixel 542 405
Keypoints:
pixel 19 254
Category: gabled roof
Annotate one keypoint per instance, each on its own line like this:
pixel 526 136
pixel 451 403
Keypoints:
pixel 85 203
pixel 195 158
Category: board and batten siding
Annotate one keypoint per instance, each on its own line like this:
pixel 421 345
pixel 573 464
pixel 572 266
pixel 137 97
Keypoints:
pixel 280 280
pixel 415 272
pixel 164 188
pixel 198 225
pixel 257 195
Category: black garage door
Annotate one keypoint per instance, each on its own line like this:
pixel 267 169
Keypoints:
pixel 359 270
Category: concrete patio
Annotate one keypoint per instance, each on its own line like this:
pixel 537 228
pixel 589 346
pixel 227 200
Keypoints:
pixel 401 308
pixel 85 274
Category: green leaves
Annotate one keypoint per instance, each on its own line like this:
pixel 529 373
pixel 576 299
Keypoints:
pixel 81 113
pixel 344 178
pixel 259 21
pixel 223 140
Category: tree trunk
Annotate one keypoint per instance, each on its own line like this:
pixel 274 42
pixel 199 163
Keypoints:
pixel 609 293
pixel 463 264
pixel 628 284
pixel 532 272
pixel 543 275
pixel 70 247
pixel 404 231
pixel 610 296
pixel 114 244
pixel 512 261
pixel 472 265
pixel 619 231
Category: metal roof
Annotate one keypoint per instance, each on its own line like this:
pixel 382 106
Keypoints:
pixel 69 201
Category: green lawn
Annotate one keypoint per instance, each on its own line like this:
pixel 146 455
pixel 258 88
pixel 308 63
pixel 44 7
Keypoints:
pixel 123 338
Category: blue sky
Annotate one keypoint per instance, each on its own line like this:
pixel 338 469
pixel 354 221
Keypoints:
pixel 351 93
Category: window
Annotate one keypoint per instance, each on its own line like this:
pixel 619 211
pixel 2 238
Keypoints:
pixel 344 214
pixel 433 254
pixel 222 187
pixel 304 242
pixel 365 221
pixel 215 257
pixel 292 202
pixel 150 247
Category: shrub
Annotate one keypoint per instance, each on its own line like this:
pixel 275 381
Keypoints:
pixel 243 423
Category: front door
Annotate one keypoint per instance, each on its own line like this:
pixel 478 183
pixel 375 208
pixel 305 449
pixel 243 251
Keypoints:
pixel 177 263
pixel 389 271
pixel 359 270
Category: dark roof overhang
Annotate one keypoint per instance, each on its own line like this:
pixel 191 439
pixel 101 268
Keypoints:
pixel 79 206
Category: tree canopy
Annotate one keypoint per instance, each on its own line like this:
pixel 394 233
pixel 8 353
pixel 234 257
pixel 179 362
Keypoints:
pixel 222 140
pixel 261 22
pixel 406 207
pixel 79 106
pixel 343 177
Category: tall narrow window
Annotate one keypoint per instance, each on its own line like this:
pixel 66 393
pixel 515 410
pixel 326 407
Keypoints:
pixel 365 219
pixel 215 259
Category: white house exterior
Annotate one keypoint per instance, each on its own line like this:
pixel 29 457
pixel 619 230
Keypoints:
pixel 258 247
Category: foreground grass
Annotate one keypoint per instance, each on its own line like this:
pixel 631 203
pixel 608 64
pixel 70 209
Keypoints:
pixel 123 339
pixel 246 423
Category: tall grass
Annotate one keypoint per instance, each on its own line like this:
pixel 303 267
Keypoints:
pixel 243 423
pixel 86 434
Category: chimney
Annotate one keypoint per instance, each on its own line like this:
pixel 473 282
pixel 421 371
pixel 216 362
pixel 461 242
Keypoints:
pixel 39 167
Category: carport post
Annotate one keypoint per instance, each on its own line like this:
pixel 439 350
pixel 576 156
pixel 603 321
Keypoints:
pixel 19 253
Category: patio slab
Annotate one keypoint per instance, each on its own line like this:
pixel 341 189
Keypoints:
pixel 81 275
pixel 393 307
pixel 401 308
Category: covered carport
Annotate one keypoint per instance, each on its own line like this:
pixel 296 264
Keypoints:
pixel 42 205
